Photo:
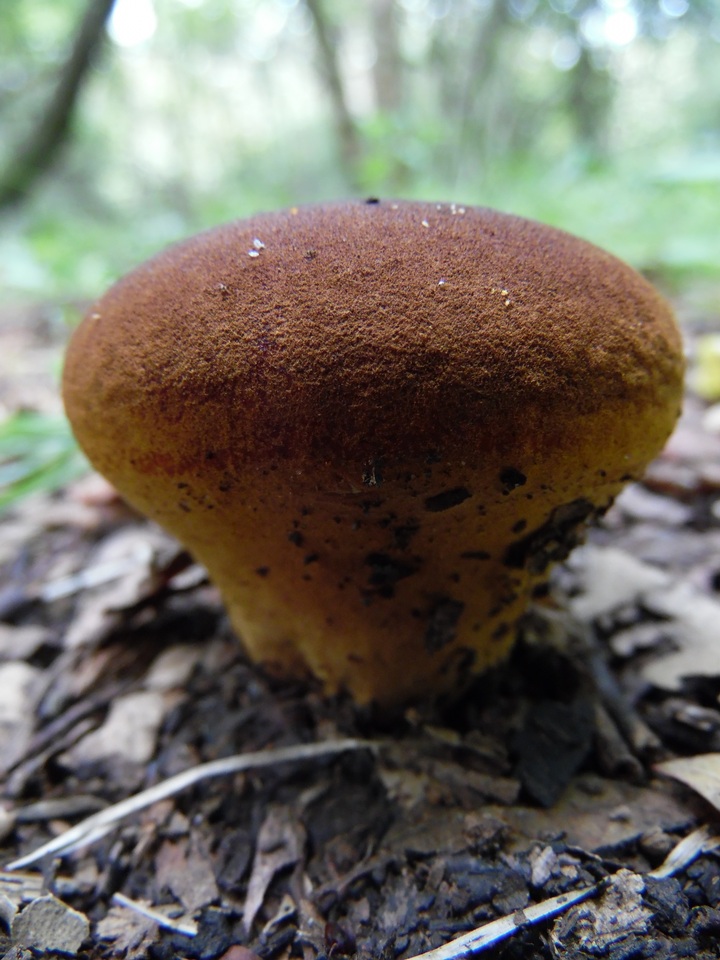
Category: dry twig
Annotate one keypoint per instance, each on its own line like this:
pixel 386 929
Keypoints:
pixel 95 827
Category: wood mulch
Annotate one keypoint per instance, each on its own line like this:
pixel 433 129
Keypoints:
pixel 118 670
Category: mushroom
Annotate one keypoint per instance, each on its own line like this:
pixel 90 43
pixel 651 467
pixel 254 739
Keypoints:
pixel 376 424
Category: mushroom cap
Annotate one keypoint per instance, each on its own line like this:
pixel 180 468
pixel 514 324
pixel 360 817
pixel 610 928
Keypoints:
pixel 353 352
pixel 358 331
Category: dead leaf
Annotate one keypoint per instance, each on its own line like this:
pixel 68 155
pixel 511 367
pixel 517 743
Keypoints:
pixel 280 844
pixel 612 578
pixel 20 643
pixel 185 869
pixel 20 888
pixel 7 909
pixel 543 862
pixel 422 833
pixel 639 637
pixel 596 814
pixel 21 687
pixel 93 490
pixel 696 629
pixel 407 788
pixel 637 502
pixel 284 912
pixel 130 933
pixel 702 840
pixel 466 785
pixel 173 667
pixel 701 773
pixel 129 731
pixel 32 517
pixel 8 821
pixel 118 576
pixel 237 952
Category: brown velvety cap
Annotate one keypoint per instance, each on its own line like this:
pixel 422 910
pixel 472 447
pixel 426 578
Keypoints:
pixel 362 330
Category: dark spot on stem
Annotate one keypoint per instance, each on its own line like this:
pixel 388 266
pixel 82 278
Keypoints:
pixel 460 662
pixel 447 499
pixel 500 631
pixel 385 572
pixel 404 534
pixel 553 540
pixel 442 624
pixel 511 479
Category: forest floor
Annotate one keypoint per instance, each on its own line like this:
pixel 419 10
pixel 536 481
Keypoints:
pixel 581 765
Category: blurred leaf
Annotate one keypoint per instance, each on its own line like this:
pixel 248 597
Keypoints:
pixel 37 453
pixel 702 773
pixel 706 375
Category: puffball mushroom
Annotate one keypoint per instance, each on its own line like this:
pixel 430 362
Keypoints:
pixel 376 424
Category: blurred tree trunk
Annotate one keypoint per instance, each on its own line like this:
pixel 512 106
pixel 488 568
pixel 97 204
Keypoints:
pixel 347 133
pixel 387 143
pixel 590 98
pixel 387 73
pixel 478 95
pixel 40 151
pixel 469 58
